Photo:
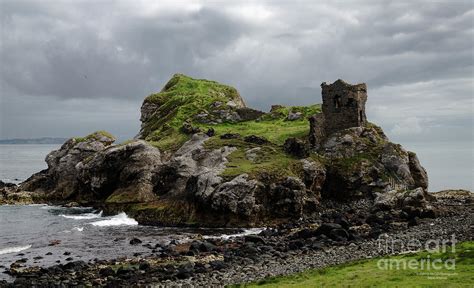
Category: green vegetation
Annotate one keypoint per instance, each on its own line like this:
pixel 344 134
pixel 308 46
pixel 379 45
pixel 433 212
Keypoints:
pixel 270 159
pixel 170 212
pixel 367 273
pixel 124 197
pixel 273 126
pixel 183 98
pixel 94 136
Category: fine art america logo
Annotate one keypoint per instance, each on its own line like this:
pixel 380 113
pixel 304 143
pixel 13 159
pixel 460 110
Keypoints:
pixel 431 264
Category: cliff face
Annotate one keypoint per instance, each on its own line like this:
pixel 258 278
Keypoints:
pixel 203 158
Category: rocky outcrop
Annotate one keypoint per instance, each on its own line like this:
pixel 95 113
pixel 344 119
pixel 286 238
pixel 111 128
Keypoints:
pixel 413 203
pixel 363 161
pixel 193 171
pixel 420 177
pixel 59 180
pixel 121 173
pixel 316 130
pixel 314 176
pixel 194 174
pixel 91 170
pixel 249 169
pixel 247 113
pixel 296 147
pixel 237 196
pixel 198 101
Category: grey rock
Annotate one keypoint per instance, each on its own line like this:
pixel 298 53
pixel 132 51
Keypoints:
pixel 251 154
pixel 418 173
pixel 296 147
pixel 314 175
pixel 292 116
pixel 60 179
pixel 236 196
pixel 121 172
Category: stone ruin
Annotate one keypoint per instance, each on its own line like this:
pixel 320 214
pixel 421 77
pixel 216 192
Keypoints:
pixel 343 107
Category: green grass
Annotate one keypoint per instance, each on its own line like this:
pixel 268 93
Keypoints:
pixel 172 140
pixel 271 160
pixel 182 98
pixel 367 274
pixel 275 131
pixel 273 126
pixel 94 135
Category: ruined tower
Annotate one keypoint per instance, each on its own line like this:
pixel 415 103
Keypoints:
pixel 343 105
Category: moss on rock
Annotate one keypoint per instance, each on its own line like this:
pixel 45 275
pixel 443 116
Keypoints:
pixel 181 100
pixel 101 135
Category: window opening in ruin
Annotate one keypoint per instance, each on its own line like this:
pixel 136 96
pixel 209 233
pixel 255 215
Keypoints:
pixel 337 101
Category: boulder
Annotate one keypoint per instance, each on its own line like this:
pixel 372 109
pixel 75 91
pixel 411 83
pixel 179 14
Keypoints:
pixel 210 132
pixel 121 173
pixel 289 198
pixel 292 116
pixel 193 169
pixel 314 174
pixel 188 128
pixel 362 162
pixel 6 185
pixel 296 147
pixel 414 203
pixel 236 196
pixel 247 114
pixel 91 169
pixel 252 153
pixel 230 136
pixel 255 139
pixel 418 173
pixel 60 181
pixel 135 241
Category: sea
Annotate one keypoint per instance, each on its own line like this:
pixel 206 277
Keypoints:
pixel 44 235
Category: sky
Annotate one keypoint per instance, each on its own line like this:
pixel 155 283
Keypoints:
pixel 68 68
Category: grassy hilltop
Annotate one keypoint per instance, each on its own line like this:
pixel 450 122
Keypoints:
pixel 184 99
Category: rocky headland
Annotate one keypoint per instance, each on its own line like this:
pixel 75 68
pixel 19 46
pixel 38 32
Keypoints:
pixel 322 179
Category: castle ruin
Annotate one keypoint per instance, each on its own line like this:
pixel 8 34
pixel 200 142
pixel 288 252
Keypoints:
pixel 343 107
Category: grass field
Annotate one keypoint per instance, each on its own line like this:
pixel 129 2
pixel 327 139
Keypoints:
pixel 368 274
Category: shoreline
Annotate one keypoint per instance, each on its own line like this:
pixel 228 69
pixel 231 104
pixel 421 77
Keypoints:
pixel 219 262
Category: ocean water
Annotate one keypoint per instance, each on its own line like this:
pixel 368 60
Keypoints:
pixel 27 231
pixel 18 162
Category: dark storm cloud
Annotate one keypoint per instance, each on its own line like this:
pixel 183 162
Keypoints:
pixel 82 53
pixel 70 67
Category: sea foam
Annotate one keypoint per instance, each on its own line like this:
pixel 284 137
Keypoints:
pixel 251 231
pixel 14 249
pixel 117 220
pixel 83 216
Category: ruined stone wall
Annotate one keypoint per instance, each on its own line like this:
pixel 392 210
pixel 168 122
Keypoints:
pixel 316 130
pixel 343 105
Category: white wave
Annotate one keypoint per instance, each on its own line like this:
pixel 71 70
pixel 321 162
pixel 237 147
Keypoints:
pixel 80 229
pixel 14 249
pixel 117 220
pixel 83 216
pixel 251 231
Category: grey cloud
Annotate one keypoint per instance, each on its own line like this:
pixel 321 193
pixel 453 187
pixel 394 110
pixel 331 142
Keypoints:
pixel 90 63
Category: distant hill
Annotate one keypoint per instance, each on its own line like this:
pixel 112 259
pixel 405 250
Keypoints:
pixel 43 140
